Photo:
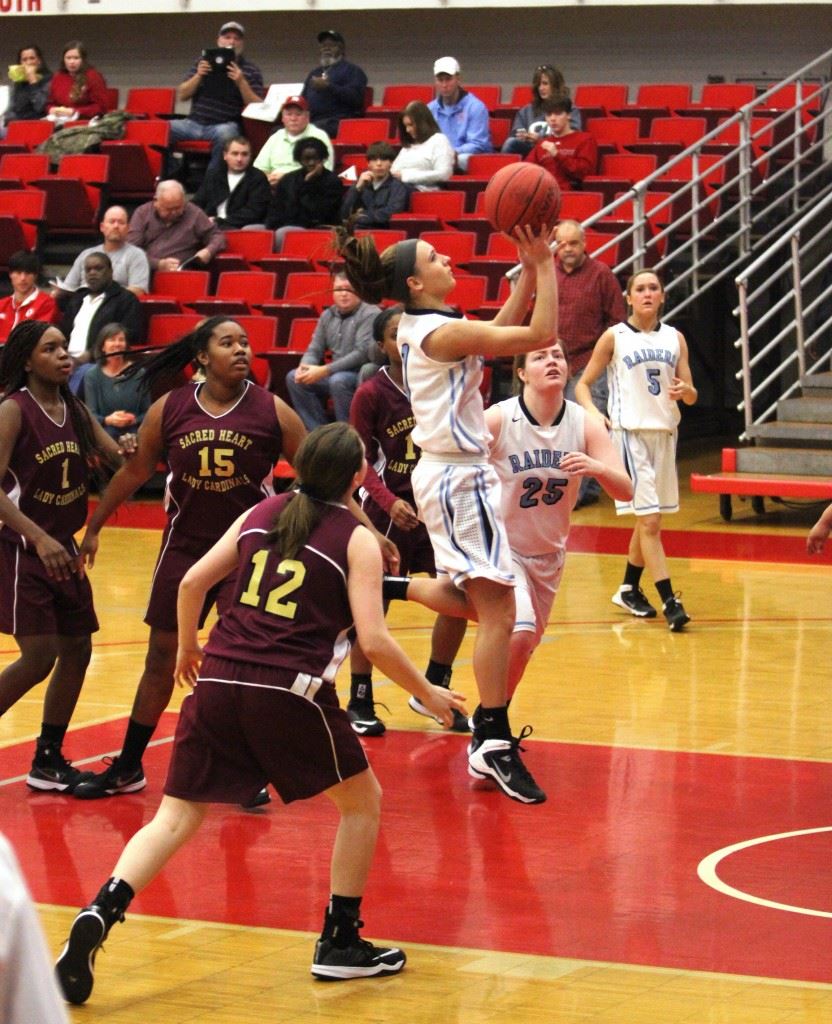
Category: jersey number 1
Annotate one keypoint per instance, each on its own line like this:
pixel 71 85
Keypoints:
pixel 275 599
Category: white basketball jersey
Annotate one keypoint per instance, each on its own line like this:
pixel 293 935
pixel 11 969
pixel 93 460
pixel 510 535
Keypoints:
pixel 445 397
pixel 639 375
pixel 537 496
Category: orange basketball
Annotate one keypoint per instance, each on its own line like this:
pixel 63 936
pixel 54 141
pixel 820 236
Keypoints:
pixel 519 194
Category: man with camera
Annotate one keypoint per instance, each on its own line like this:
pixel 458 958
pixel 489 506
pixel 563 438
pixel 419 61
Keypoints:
pixel 219 85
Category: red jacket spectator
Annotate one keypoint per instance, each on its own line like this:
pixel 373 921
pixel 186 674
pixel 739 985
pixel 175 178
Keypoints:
pixel 77 85
pixel 568 157
pixel 566 154
pixel 37 305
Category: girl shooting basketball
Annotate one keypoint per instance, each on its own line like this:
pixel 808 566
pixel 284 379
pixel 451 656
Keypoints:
pixel 456 490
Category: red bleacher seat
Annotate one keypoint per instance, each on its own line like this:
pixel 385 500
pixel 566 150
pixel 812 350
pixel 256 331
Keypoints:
pixel 150 102
pixel 182 285
pixel 489 93
pixel 18 169
pixel 313 289
pixel 165 328
pixel 316 245
pixel 74 194
pixel 580 205
pixel 238 293
pixel 383 237
pixel 300 334
pixel 611 134
pixel 669 136
pixel 459 245
pixel 499 129
pixel 597 99
pixel 28 207
pixel 28 133
pixel 136 160
pixel 252 245
pixel 500 256
pixel 361 131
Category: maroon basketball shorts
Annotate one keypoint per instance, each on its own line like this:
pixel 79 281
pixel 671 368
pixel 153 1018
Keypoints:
pixel 246 724
pixel 415 548
pixel 34 604
pixel 172 564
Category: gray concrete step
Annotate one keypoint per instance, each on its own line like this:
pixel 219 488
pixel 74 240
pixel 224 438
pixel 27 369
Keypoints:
pixel 809 409
pixel 789 434
pixel 795 461
pixel 817 385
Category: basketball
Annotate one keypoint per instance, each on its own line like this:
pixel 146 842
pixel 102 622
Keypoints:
pixel 519 194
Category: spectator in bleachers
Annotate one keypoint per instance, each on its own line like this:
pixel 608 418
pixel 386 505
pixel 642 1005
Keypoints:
pixel 566 154
pixel 27 301
pixel 130 266
pixel 218 96
pixel 377 195
pixel 426 158
pixel 589 301
pixel 234 194
pixel 335 89
pixel 118 403
pixel 461 116
pixel 276 158
pixel 102 301
pixel 345 330
pixel 307 198
pixel 529 125
pixel 172 231
pixel 76 88
pixel 30 79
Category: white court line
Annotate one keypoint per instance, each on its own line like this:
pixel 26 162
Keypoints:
pixel 706 870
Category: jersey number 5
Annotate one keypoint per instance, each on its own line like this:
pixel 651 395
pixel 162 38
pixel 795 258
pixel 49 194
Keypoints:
pixel 653 383
pixel 276 603
pixel 550 496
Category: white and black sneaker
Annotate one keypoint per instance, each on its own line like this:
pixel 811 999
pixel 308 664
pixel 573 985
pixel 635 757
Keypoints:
pixel 75 966
pixel 460 722
pixel 361 959
pixel 52 771
pixel 633 601
pixel 677 617
pixel 363 718
pixel 500 760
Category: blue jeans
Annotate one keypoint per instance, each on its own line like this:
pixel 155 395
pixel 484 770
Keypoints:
pixel 309 400
pixel 183 129
pixel 600 395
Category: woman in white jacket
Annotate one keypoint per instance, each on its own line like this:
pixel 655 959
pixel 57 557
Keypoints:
pixel 426 158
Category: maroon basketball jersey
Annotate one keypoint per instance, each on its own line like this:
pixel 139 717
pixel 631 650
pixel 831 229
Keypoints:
pixel 381 414
pixel 290 613
pixel 47 475
pixel 219 466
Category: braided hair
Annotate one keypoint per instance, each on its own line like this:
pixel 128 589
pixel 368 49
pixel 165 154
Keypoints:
pixel 326 461
pixel 14 376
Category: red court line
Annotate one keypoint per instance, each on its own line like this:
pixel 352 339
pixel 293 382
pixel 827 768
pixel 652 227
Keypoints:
pixel 605 870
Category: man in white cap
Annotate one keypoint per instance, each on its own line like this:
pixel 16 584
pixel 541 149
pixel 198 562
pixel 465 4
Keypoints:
pixel 335 89
pixel 275 158
pixel 218 92
pixel 461 117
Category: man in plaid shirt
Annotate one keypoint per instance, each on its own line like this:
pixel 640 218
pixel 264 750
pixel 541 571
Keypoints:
pixel 589 301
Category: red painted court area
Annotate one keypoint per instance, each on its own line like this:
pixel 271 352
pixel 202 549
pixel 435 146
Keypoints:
pixel 605 870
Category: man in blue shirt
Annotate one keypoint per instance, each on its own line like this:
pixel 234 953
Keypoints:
pixel 335 89
pixel 460 115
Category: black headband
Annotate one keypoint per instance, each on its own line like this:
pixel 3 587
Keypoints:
pixel 403 267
